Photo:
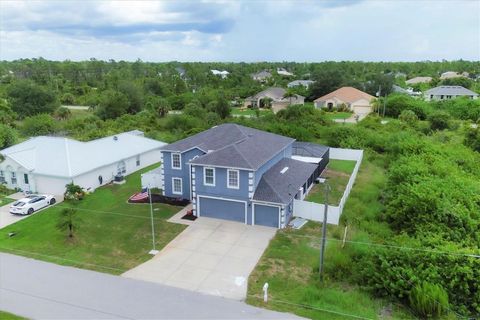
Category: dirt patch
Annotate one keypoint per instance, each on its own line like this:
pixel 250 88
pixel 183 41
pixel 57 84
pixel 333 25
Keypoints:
pixel 332 173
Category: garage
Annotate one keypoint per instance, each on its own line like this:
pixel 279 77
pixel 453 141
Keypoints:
pixel 222 209
pixel 362 110
pixel 265 215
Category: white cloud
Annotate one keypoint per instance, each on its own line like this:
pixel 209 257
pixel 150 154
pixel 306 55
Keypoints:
pixel 240 31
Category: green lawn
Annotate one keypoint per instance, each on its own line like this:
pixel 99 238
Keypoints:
pixel 338 173
pixel 290 263
pixel 113 236
pixel 8 316
pixel 338 115
pixel 248 112
pixel 5 200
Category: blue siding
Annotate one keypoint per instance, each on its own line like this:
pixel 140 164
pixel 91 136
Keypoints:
pixel 285 153
pixel 169 173
pixel 267 215
pixel 222 209
pixel 220 189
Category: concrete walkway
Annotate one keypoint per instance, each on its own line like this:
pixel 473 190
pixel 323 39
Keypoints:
pixel 211 256
pixel 41 290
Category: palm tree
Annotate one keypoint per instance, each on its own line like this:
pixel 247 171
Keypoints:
pixel 68 221
pixel 289 94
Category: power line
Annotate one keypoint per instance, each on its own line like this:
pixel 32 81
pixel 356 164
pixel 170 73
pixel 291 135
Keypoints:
pixel 64 259
pixel 392 246
pixel 305 306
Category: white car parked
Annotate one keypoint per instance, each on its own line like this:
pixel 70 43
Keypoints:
pixel 31 203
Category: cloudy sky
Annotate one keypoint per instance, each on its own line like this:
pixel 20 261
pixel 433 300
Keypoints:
pixel 388 30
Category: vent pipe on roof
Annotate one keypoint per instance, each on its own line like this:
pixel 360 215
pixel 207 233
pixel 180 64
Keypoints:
pixel 115 138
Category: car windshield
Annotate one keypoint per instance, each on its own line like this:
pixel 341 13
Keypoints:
pixel 19 204
pixel 34 200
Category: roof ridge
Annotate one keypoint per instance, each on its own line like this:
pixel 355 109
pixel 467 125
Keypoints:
pixel 271 188
pixel 241 155
pixel 67 153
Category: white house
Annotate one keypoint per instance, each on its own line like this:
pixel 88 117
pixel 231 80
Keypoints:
pixel 47 164
pixel 223 74
pixel 449 92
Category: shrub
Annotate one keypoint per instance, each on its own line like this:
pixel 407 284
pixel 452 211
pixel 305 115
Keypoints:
pixel 428 300
pixel 8 136
pixel 42 124
pixel 68 98
pixel 439 120
pixel 74 192
pixel 408 116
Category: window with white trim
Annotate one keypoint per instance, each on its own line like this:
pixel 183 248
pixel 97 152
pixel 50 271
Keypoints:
pixel 14 178
pixel 2 177
pixel 176 161
pixel 177 186
pixel 209 176
pixel 137 160
pixel 233 179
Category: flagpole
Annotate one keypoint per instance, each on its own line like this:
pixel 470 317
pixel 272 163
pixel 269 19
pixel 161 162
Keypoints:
pixel 154 251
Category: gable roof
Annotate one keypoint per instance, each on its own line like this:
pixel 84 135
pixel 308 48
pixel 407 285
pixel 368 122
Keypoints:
pixel 278 187
pixel 450 91
pixel 262 75
pixel 232 145
pixel 67 158
pixel 346 94
pixel 295 83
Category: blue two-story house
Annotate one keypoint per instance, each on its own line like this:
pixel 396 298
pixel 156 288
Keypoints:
pixel 242 174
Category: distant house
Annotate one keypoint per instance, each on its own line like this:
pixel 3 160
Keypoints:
pixel 284 72
pixel 408 91
pixel 355 100
pixel 296 83
pixel 181 72
pixel 418 80
pixel 449 92
pixel 261 76
pixel 242 174
pixel 47 164
pixel 453 74
pixel 223 74
pixel 278 99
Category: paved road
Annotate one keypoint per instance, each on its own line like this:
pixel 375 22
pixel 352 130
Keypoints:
pixel 41 290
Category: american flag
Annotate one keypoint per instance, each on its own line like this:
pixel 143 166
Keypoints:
pixel 140 196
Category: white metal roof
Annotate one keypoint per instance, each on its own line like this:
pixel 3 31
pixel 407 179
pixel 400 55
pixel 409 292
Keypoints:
pixel 63 157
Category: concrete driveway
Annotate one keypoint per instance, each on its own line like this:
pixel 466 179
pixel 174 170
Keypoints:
pixel 6 218
pixel 211 256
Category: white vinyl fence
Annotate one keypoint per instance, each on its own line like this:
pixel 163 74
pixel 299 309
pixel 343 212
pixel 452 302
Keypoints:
pixel 314 211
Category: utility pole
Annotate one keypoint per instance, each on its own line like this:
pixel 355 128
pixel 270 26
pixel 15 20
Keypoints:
pixel 384 104
pixel 154 251
pixel 324 230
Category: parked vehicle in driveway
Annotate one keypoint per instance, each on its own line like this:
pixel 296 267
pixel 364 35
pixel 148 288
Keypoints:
pixel 31 203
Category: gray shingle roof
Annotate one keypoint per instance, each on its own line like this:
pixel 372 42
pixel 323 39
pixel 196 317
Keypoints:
pixel 232 145
pixel 278 187
pixel 450 91
pixel 308 149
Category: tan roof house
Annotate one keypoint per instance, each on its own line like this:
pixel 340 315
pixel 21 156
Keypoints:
pixel 453 74
pixel 357 101
pixel 277 99
pixel 419 80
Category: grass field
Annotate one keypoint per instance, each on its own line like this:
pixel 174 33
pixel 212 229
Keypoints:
pixel 290 263
pixel 5 200
pixel 113 236
pixel 337 173
pixel 338 115
pixel 8 316
pixel 248 112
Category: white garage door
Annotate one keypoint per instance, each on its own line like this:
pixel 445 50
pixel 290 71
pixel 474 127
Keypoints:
pixel 362 110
